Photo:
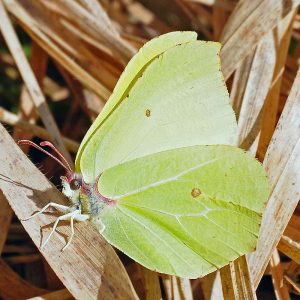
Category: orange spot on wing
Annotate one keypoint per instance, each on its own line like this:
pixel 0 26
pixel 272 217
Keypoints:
pixel 148 113
pixel 195 192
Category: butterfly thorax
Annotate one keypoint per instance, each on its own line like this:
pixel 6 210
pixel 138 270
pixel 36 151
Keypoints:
pixel 87 196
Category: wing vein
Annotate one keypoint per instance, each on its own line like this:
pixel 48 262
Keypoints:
pixel 122 227
pixel 169 179
pixel 156 235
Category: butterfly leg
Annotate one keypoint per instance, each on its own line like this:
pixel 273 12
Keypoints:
pixel 61 218
pixel 59 207
pixel 99 224
pixel 77 217
pixel 102 228
pixel 72 234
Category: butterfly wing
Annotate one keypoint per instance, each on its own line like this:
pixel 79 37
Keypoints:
pixel 179 100
pixel 130 75
pixel 186 211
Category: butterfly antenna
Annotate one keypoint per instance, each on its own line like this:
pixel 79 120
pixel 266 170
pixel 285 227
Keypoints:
pixel 63 162
pixel 49 144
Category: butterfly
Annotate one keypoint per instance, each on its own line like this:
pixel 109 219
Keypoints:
pixel 158 173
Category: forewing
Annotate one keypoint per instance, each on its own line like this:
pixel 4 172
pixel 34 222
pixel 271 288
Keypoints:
pixel 132 72
pixel 180 100
pixel 186 211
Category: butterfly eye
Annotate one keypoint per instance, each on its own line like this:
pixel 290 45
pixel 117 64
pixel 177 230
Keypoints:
pixel 75 184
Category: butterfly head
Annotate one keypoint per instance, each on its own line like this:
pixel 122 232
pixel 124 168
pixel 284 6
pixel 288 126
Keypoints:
pixel 72 181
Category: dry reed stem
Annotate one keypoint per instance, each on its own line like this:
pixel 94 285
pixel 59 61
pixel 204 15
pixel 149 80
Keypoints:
pixel 35 130
pixel 13 286
pixel 249 22
pixel 251 107
pixel 151 285
pixel 95 28
pixel 43 35
pixel 239 84
pixel 272 100
pixel 290 248
pixel 258 83
pixel 89 268
pixel 211 286
pixel 281 290
pixel 282 163
pixel 27 110
pixel 184 289
pixel 224 4
pixel 236 282
pixel 218 22
pixel 167 283
pixel 290 241
pixel 31 83
pixel 61 295
pixel 250 99
pixel 5 220
pixel 177 288
pixel 97 10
